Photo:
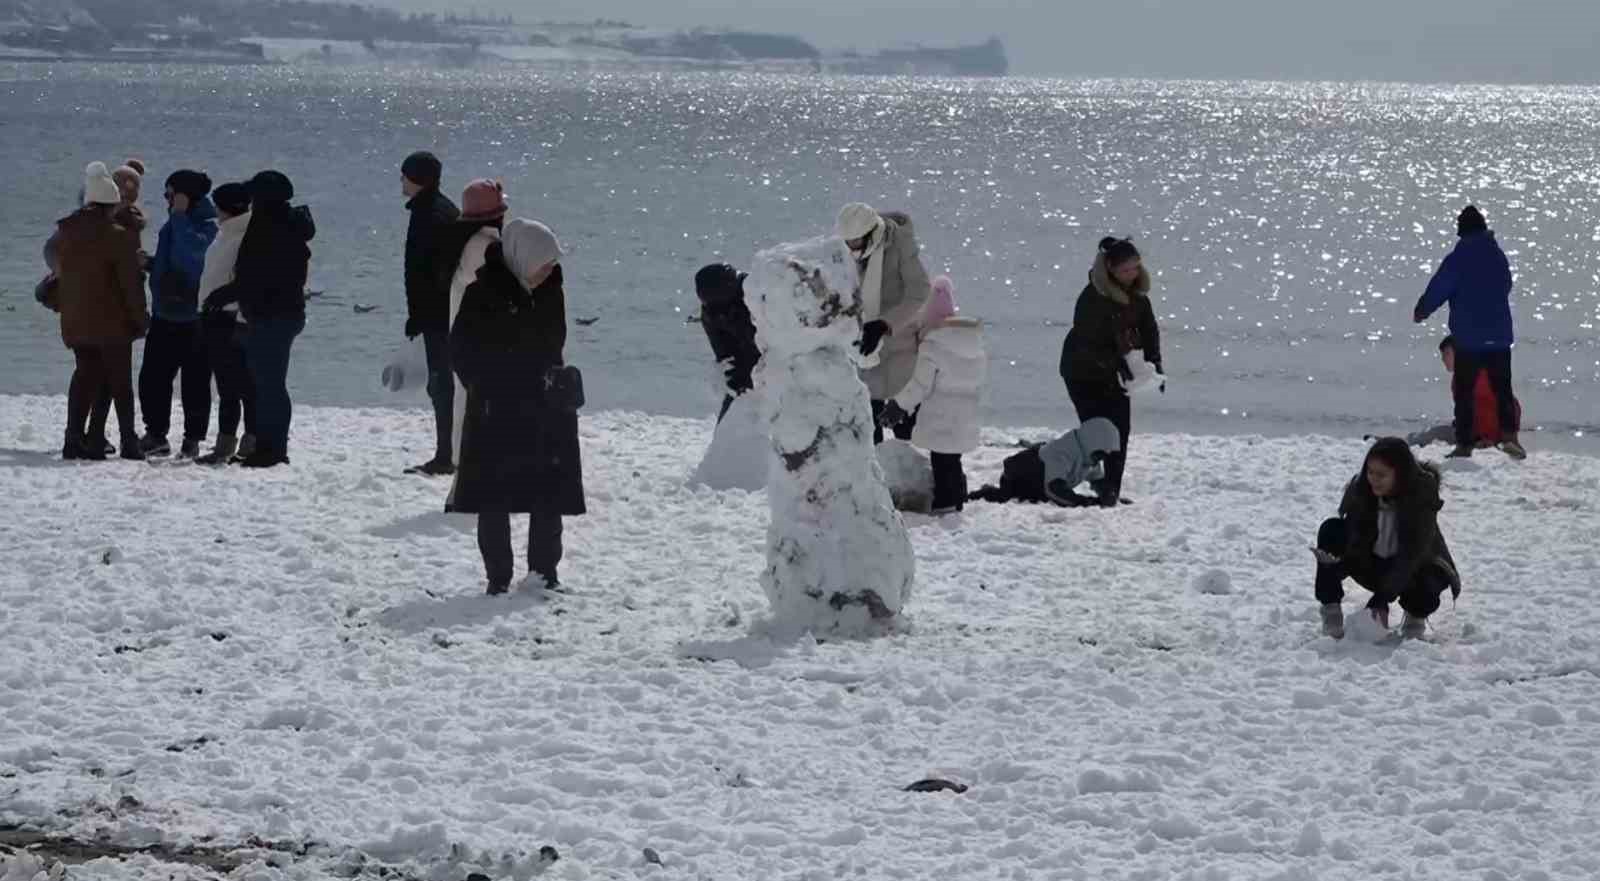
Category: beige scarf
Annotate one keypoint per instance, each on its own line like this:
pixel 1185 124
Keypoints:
pixel 872 276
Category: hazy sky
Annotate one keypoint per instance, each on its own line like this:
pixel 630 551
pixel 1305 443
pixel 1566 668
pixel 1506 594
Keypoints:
pixel 1444 40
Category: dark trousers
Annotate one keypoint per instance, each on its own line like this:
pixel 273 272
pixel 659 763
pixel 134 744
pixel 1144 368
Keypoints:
pixel 1096 402
pixel 236 393
pixel 101 411
pixel 174 347
pixel 266 348
pixel 949 482
pixel 101 372
pixel 442 391
pixel 494 542
pixel 1420 598
pixel 1464 387
pixel 902 431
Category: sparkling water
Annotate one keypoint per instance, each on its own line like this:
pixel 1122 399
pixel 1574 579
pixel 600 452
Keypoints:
pixel 1290 227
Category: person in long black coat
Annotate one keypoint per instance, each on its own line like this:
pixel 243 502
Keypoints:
pixel 519 445
pixel 1113 319
pixel 729 328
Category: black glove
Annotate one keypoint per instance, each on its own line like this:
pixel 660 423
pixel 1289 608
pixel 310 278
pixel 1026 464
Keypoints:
pixel 892 415
pixel 411 329
pixel 1163 374
pixel 212 305
pixel 873 333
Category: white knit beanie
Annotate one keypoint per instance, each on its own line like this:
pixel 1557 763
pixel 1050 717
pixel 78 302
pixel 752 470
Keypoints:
pixel 528 245
pixel 857 220
pixel 98 186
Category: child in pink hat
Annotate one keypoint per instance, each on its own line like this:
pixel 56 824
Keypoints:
pixel 946 393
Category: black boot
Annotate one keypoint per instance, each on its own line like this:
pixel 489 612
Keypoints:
pixel 130 448
pixel 76 448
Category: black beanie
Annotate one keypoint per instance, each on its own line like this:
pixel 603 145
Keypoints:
pixel 193 184
pixel 1118 251
pixel 270 186
pixel 232 199
pixel 1471 221
pixel 718 283
pixel 423 169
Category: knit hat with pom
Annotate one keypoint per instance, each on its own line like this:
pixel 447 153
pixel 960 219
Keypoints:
pixel 98 186
pixel 942 302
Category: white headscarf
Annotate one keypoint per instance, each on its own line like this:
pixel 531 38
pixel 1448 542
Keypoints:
pixel 857 221
pixel 527 246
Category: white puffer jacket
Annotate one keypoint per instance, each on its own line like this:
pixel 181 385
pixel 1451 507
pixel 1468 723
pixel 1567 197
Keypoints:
pixel 949 383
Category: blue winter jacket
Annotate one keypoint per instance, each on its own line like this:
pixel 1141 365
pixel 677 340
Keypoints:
pixel 1475 279
pixel 179 262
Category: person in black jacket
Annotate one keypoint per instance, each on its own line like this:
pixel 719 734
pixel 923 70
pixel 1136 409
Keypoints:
pixel 1387 539
pixel 1113 319
pixel 519 444
pixel 428 271
pixel 729 328
pixel 270 287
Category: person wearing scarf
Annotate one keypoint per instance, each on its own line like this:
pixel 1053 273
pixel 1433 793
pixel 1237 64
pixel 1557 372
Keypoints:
pixel 894 289
pixel 519 444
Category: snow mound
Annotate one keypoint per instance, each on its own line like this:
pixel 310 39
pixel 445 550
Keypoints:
pixel 740 453
pixel 909 473
pixel 1214 582
pixel 839 558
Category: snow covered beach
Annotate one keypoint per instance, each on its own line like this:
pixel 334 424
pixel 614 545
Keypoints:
pixel 305 657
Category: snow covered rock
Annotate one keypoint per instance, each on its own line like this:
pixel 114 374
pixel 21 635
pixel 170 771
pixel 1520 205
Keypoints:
pixel 23 866
pixel 909 474
pixel 839 558
pixel 740 454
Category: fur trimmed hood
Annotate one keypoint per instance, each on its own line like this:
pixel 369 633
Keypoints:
pixel 1100 277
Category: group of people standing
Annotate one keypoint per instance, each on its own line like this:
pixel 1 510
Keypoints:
pixel 226 301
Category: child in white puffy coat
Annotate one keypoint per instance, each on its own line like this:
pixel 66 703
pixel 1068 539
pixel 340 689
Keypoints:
pixel 945 393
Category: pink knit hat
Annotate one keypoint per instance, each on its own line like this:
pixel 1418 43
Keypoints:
pixel 942 304
pixel 484 200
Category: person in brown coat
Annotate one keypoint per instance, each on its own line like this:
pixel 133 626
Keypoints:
pixel 1387 539
pixel 100 294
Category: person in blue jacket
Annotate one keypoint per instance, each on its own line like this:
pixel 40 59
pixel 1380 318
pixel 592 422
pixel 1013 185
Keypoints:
pixel 1475 279
pixel 176 342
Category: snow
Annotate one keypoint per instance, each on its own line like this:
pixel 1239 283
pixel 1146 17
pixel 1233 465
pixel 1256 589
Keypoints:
pixel 304 657
pixel 839 559
pixel 909 474
pixel 740 454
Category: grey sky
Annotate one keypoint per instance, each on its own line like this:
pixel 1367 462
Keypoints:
pixel 1443 40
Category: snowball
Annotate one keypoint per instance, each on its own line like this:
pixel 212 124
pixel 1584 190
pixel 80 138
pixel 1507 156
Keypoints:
pixel 1360 625
pixel 909 473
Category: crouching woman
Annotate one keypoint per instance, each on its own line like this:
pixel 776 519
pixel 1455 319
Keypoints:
pixel 519 444
pixel 1387 539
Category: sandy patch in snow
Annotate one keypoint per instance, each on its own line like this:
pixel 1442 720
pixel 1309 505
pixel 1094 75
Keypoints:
pixel 304 656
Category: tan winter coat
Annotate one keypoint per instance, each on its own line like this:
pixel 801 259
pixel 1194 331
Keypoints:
pixel 904 292
pixel 100 286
